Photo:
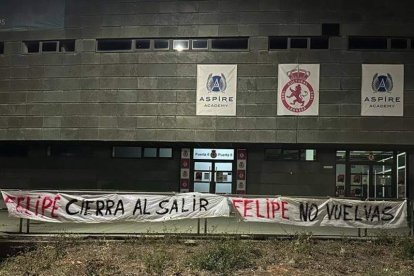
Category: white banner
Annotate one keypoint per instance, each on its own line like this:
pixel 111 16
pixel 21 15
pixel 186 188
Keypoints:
pixel 323 212
pixel 61 207
pixel 298 89
pixel 216 90
pixel 382 90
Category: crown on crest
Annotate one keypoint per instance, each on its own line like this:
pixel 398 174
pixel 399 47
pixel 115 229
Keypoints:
pixel 298 74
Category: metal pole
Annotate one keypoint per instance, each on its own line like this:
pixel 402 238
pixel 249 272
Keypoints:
pixel 27 226
pixel 205 226
pixel 198 226
pixel 20 225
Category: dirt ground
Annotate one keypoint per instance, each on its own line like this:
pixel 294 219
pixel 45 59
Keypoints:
pixel 300 255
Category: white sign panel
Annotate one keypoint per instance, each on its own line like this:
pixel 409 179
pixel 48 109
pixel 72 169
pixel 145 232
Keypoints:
pixel 210 154
pixel 298 89
pixel 382 90
pixel 216 90
pixel 323 212
pixel 61 207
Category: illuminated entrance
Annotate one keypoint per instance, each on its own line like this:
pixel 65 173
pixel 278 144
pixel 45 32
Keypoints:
pixel 213 171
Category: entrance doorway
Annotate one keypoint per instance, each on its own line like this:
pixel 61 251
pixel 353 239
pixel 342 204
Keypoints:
pixel 213 171
pixel 371 181
pixel 213 177
pixel 370 174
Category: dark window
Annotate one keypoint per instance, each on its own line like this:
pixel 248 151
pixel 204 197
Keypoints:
pixel 362 42
pixel 276 42
pixel 398 43
pixel 127 152
pixel 331 29
pixel 161 44
pixel 13 151
pixel 150 152
pixel 412 43
pixel 165 152
pixel 290 154
pixel 230 44
pixel 319 42
pixel 32 46
pixel 199 44
pixel 114 44
pixel 70 151
pixel 67 46
pixel 299 43
pixel 142 44
pixel 1 47
pixel 49 46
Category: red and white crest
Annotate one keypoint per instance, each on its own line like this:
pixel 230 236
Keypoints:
pixel 298 89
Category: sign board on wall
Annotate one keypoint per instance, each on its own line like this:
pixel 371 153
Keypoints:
pixel 298 89
pixel 216 90
pixel 382 90
pixel 211 154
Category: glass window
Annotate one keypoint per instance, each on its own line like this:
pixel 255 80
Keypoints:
pixel 363 42
pixel 399 43
pixel 150 152
pixel 340 155
pixel 142 44
pixel 377 156
pixel 308 155
pixel 202 166
pixel 165 152
pixel 32 46
pixel 114 44
pixel 340 180
pixel 299 43
pixel 67 45
pixel 1 47
pixel 230 43
pixel 200 44
pixel 181 45
pixel 126 152
pixel 280 42
pixel 49 46
pixel 223 188
pixel 13 151
pixel 202 187
pixel 161 44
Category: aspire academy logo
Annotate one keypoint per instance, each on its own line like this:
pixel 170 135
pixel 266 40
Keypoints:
pixel 297 94
pixel 216 83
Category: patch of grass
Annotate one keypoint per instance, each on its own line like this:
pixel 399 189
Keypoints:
pixel 226 256
pixel 406 246
pixel 156 262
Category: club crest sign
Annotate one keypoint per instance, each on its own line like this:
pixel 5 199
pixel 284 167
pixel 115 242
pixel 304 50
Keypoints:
pixel 216 90
pixel 298 89
pixel 382 92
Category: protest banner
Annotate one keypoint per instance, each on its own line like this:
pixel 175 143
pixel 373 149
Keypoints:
pixel 63 207
pixel 323 212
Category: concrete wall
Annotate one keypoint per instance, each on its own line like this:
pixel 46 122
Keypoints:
pixel 150 96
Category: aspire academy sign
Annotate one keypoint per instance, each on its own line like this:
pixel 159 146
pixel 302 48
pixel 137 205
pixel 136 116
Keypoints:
pixel 216 90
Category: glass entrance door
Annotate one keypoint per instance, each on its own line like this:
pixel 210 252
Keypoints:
pixel 371 181
pixel 213 177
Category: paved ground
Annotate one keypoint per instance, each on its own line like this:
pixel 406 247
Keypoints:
pixel 214 226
